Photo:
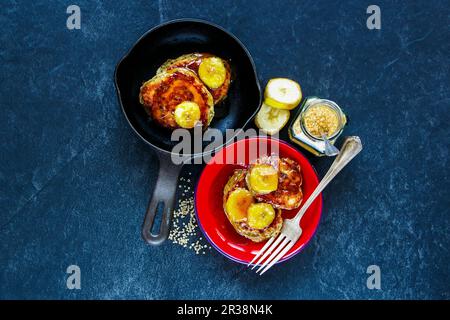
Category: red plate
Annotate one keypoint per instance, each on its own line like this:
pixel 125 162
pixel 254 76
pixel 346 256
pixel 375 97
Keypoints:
pixel 209 192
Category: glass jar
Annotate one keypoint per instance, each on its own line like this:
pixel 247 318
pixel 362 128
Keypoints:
pixel 317 116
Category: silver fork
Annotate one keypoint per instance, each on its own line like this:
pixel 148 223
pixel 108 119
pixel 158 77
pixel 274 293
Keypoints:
pixel 277 247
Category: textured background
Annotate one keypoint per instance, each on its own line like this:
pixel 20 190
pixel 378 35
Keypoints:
pixel 75 180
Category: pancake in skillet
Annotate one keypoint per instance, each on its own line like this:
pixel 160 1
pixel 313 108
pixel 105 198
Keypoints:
pixel 161 95
pixel 212 70
pixel 238 218
pixel 281 186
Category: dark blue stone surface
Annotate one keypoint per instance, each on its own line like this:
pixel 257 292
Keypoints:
pixel 75 180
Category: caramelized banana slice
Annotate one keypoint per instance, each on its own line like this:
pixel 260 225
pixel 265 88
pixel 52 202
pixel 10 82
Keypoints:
pixel 212 72
pixel 237 204
pixel 260 215
pixel 187 114
pixel 262 178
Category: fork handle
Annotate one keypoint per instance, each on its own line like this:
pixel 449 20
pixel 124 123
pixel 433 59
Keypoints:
pixel 350 148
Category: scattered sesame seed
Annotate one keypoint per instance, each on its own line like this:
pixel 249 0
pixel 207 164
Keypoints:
pixel 185 230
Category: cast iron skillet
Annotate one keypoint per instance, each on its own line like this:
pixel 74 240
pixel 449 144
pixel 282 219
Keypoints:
pixel 170 40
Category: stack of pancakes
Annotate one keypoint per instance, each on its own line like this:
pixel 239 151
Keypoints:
pixel 287 196
pixel 176 81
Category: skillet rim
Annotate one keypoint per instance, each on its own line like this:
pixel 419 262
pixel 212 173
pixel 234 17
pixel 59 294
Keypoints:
pixel 200 21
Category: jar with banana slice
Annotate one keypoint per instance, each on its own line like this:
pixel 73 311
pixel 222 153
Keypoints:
pixel 280 96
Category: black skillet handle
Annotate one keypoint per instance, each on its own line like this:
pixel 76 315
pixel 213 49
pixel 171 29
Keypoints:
pixel 164 192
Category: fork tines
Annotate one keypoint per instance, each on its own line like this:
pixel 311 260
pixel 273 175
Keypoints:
pixel 276 248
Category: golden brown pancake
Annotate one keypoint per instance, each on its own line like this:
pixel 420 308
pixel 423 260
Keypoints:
pixel 289 193
pixel 237 180
pixel 192 62
pixel 161 94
